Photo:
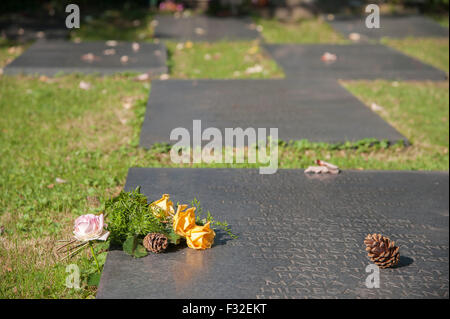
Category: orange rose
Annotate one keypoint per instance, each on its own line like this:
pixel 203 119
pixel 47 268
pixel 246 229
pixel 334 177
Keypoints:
pixel 200 237
pixel 165 205
pixel 183 220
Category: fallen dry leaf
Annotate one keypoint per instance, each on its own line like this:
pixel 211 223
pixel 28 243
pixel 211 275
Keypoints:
pixel 179 46
pixel 200 31
pixel 135 46
pixel 142 77
pixel 254 69
pixel 50 186
pixel 354 36
pixel 128 102
pixel 164 76
pixel 329 57
pixel 109 52
pixel 111 43
pixel 89 57
pixel 85 85
pixel 60 180
pixel 375 107
pixel 323 168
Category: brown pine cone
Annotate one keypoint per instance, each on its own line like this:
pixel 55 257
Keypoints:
pixel 382 251
pixel 156 242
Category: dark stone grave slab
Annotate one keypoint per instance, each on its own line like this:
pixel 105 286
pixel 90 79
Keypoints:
pixel 51 57
pixel 391 26
pixel 317 110
pixel 356 61
pixel 23 29
pixel 204 28
pixel 299 236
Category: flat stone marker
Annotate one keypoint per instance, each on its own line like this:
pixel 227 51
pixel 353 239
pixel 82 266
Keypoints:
pixel 203 28
pixel 51 57
pixel 317 110
pixel 22 30
pixel 391 26
pixel 354 62
pixel 299 236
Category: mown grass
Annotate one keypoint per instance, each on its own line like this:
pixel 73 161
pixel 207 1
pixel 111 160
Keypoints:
pixel 305 31
pixel 221 60
pixel 434 51
pixel 127 25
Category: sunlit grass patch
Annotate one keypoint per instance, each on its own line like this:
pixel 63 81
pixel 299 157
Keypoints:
pixel 434 51
pixel 221 60
pixel 305 31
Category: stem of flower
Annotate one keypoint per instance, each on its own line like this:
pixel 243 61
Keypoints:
pixel 95 257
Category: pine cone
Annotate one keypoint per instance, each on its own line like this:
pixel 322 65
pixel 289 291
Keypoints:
pixel 382 251
pixel 156 242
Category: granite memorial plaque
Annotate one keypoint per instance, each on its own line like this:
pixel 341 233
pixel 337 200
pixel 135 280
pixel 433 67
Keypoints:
pixel 51 57
pixel 299 236
pixel 391 26
pixel 317 110
pixel 23 29
pixel 354 62
pixel 204 28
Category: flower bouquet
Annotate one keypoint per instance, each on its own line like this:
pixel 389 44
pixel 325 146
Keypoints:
pixel 140 227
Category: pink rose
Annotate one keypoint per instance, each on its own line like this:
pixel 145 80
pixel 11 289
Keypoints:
pixel 90 227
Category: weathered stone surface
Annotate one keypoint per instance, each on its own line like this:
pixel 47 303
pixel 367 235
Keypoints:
pixel 299 236
pixel 356 61
pixel 317 110
pixel 202 28
pixel 23 29
pixel 51 57
pixel 391 26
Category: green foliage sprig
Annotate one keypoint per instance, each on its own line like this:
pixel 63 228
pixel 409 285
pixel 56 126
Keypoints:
pixel 130 218
pixel 202 217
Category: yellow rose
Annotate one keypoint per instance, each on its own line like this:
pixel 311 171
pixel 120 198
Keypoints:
pixel 165 205
pixel 200 237
pixel 183 220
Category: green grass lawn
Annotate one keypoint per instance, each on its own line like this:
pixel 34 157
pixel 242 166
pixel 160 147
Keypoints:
pixel 306 31
pixel 221 60
pixel 51 129
pixel 434 51
pixel 130 25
